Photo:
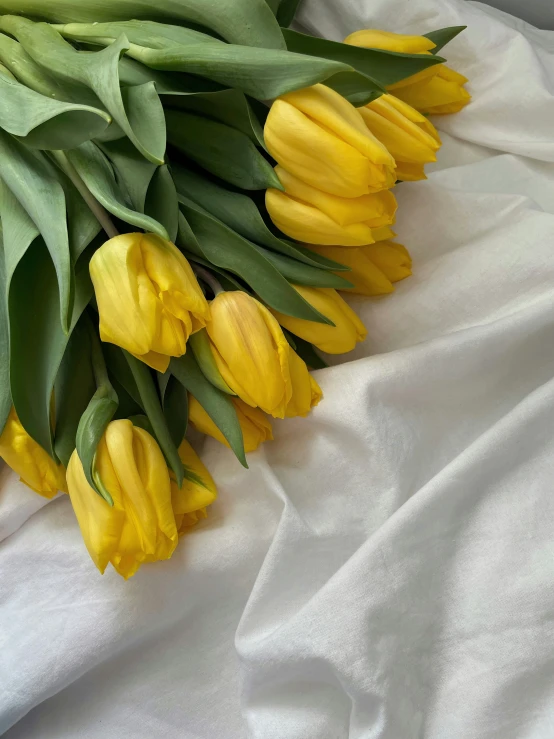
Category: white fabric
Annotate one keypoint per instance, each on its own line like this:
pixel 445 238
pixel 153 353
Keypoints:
pixel 385 570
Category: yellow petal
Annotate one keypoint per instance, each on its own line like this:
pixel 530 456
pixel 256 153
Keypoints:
pixel 305 223
pixel 373 38
pixel 366 277
pixel 390 260
pixel 306 393
pixel 195 494
pixel 410 172
pixel 255 425
pixel 29 460
pixel 442 93
pixel 337 339
pixel 250 351
pixel 383 233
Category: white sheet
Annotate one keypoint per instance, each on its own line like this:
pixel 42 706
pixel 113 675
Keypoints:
pixel 385 570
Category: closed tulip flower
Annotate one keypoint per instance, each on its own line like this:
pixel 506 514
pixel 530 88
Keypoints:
pixel 199 491
pixel 409 136
pixel 306 393
pixel 319 137
pixel 433 91
pixel 148 297
pixel 140 526
pixel 308 214
pixel 29 460
pixel 366 277
pixel 391 258
pixel 338 339
pixel 250 351
pixel 255 425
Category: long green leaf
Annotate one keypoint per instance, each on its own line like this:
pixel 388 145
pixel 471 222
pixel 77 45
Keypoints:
pixel 175 408
pixel 95 170
pixel 226 249
pixel 248 22
pixel 307 352
pixel 303 274
pixel 137 111
pixel 46 123
pixel 217 405
pixel 443 36
pixel 29 177
pixel 5 394
pixel 120 372
pixel 132 72
pixel 386 67
pixel 241 214
pixel 151 403
pixel 74 389
pixel 286 12
pixel 220 149
pixel 37 341
pixel 161 201
pixel 133 172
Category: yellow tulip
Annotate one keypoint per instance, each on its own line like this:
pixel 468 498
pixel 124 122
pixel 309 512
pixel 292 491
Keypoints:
pixel 391 258
pixel 250 351
pixel 338 339
pixel 255 425
pixel 306 393
pixel 29 460
pixel 140 526
pixel 319 137
pixel 148 297
pixel 190 501
pixel 409 136
pixel 435 90
pixel 308 214
pixel 366 277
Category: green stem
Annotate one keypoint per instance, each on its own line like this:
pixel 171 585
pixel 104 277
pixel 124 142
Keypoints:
pixel 100 213
pixel 208 278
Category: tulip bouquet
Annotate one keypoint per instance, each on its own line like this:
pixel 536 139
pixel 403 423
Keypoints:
pixel 186 189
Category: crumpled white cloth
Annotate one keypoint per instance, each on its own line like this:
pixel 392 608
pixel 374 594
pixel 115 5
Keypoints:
pixel 385 570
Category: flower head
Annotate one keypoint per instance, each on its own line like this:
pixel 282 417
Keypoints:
pixel 254 423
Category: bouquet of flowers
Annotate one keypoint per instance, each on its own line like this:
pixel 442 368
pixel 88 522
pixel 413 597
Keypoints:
pixel 186 189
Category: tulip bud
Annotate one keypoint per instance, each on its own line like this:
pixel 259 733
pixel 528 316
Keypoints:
pixel 409 136
pixel 337 339
pixel 148 297
pixel 255 425
pixel 435 90
pixel 308 214
pixel 140 526
pixel 306 393
pixel 319 137
pixel 365 276
pixel 197 492
pixel 250 351
pixel 392 259
pixel 29 460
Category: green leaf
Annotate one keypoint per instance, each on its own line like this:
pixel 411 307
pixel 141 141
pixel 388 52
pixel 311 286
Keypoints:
pixel 226 249
pixel 304 274
pixel 241 214
pixel 175 407
pixel 18 231
pixel 139 32
pixel 133 172
pixel 74 389
pixel 386 67
pixel 248 22
pixel 161 201
pixel 286 12
pixel 37 341
pixel 45 123
pixel 307 352
pixel 274 5
pixel 98 176
pixel 443 36
pixel 120 372
pixel 227 106
pixel 200 345
pixel 136 110
pixel 5 394
pixel 217 405
pixel 151 404
pixel 222 150
pixel 132 72
pixel 29 177
pixel 24 68
pixel 82 225
pixel 356 87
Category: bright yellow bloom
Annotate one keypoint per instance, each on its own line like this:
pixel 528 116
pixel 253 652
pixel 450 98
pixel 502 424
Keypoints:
pixel 148 297
pixel 250 351
pixel 435 90
pixel 189 503
pixel 140 527
pixel 392 259
pixel 318 136
pixel 308 214
pixel 306 393
pixel 409 136
pixel 337 339
pixel 255 425
pixel 29 460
